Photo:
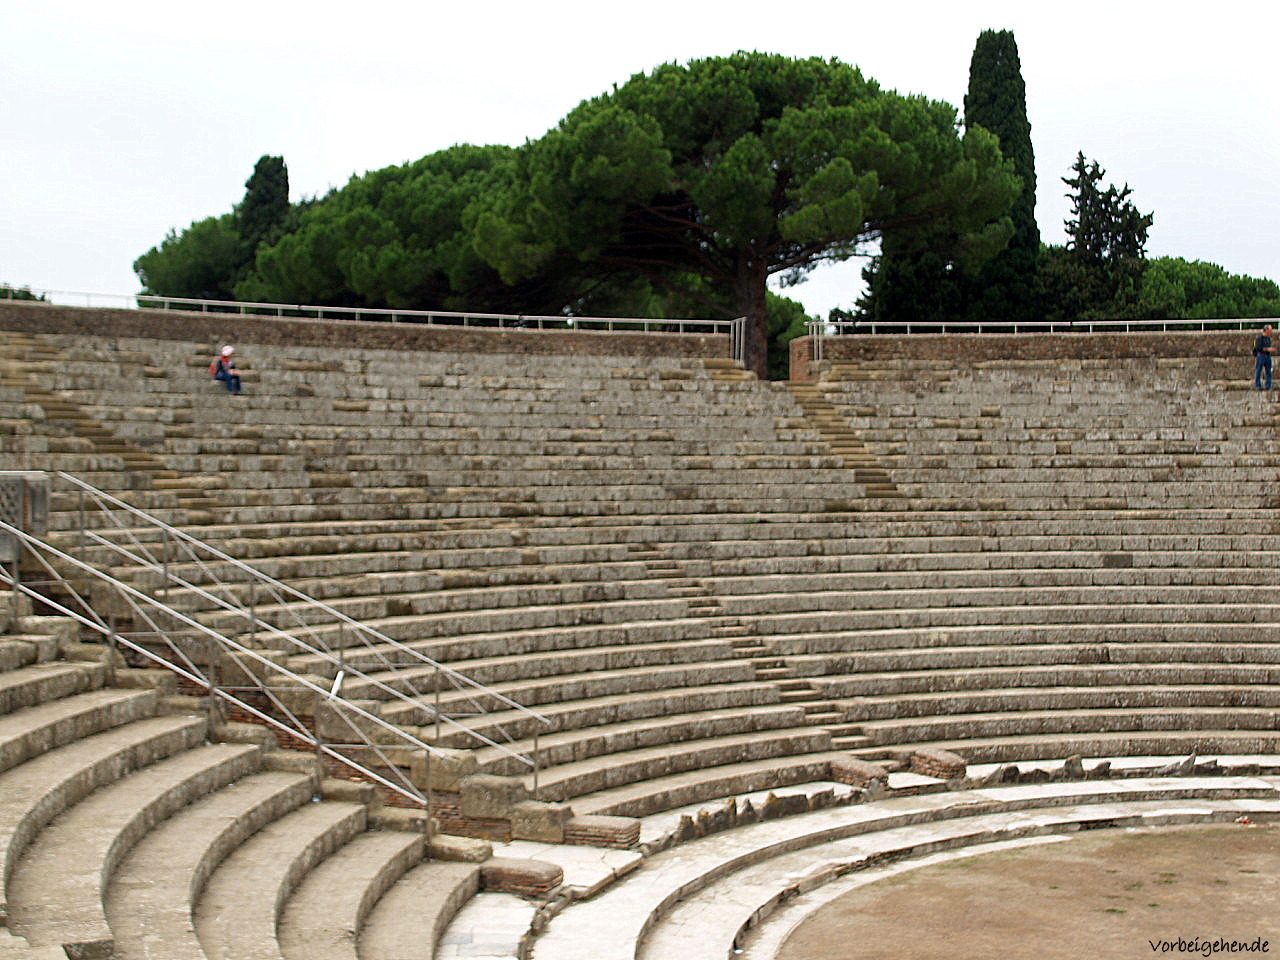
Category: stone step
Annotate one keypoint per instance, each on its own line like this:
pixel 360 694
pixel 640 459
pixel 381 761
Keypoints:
pixel 36 792
pixel 594 775
pixel 30 731
pixel 152 895
pixel 41 683
pixel 611 738
pixel 530 666
pixel 1138 720
pixel 237 913
pixel 921 691
pixel 1009 700
pixel 1103 743
pixel 56 892
pixel 407 923
pixel 810 653
pixel 600 683
pixel 619 708
pixel 322 920
pixel 666 792
pixel 1131 658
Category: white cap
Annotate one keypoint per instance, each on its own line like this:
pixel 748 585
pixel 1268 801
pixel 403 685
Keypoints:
pixel 228 351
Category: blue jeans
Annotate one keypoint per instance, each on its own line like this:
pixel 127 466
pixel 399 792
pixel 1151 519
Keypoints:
pixel 232 380
pixel 1264 363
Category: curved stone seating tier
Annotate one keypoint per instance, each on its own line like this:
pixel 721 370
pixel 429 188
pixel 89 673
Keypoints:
pixel 610 539
pixel 124 833
pixel 697 899
pixel 423 900
pixel 1012 429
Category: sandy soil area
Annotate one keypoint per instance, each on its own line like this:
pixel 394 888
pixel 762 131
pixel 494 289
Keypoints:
pixel 1112 894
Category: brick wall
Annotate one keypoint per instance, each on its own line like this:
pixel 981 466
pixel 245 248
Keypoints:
pixel 210 329
pixel 1022 346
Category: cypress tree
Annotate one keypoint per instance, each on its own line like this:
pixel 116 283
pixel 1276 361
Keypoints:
pixel 997 100
pixel 262 213
pixel 908 283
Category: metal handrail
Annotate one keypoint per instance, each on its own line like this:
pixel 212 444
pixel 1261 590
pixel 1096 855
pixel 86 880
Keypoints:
pixel 280 717
pixel 143 301
pixel 139 557
pixel 820 330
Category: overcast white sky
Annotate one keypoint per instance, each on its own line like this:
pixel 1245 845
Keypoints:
pixel 122 120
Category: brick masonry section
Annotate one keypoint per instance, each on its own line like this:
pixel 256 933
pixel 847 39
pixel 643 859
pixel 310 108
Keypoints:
pixel 937 763
pixel 857 773
pixel 526 878
pixel 212 329
pixel 1022 346
pixel 447 812
pixel 600 831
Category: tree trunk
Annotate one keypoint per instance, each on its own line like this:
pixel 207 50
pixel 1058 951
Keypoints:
pixel 753 305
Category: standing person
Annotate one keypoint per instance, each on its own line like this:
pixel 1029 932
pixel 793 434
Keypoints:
pixel 224 369
pixel 1262 352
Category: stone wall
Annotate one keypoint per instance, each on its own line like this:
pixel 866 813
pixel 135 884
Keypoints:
pixel 1023 346
pixel 212 329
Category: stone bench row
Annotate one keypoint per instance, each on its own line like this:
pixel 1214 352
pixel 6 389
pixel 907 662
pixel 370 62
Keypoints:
pixel 738 908
pixel 121 830
pixel 587 480
pixel 429 596
pixel 721 535
pixel 710 871
pixel 501 570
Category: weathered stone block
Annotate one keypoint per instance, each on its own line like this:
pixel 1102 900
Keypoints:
pixel 334 723
pixel 534 820
pixel 486 795
pixel 442 770
pixel 856 772
pixel 459 849
pixel 527 878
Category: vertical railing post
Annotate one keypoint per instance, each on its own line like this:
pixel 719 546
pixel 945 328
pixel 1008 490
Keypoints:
pixel 211 682
pixel 164 564
pixel 253 607
pixel 535 762
pixel 437 703
pixel 112 646
pixel 80 515
pixel 426 814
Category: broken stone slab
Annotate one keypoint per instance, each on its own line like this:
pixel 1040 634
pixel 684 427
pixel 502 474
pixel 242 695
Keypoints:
pixel 1008 773
pixel 1179 768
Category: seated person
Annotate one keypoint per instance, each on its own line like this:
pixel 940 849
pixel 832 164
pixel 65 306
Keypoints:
pixel 224 369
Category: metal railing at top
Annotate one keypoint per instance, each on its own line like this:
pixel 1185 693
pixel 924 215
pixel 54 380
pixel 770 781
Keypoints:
pixel 820 330
pixel 732 328
pixel 244 606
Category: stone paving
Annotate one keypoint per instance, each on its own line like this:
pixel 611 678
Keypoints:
pixel 490 926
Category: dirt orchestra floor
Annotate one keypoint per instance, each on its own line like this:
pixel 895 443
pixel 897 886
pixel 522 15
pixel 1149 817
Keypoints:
pixel 1112 894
